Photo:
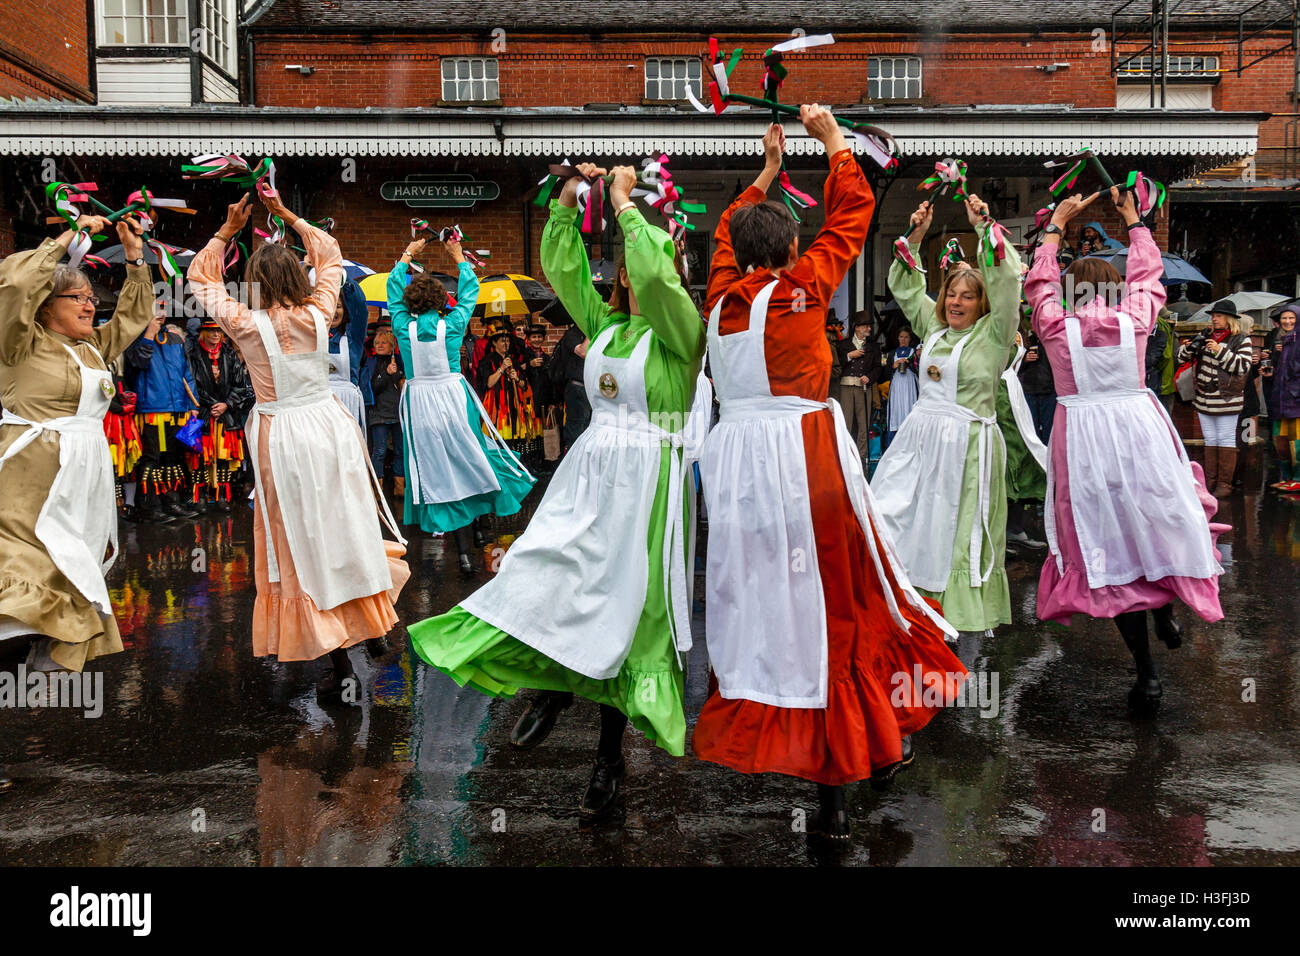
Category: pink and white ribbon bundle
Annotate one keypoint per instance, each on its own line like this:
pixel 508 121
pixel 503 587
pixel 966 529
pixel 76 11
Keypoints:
pixel 657 189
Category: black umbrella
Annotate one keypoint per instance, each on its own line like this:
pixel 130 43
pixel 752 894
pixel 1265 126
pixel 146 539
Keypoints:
pixel 114 256
pixel 556 314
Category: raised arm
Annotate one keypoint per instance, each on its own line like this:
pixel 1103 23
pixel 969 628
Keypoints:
pixel 1001 280
pixel 1144 292
pixel 664 301
pixel 398 313
pixel 135 303
pixel 324 256
pixel 849 207
pixel 564 262
pixel 1043 291
pixel 723 271
pixel 206 273
pixel 908 287
pixel 466 298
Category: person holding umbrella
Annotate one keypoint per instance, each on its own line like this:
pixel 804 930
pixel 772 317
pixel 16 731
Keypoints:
pixel 455 472
pixel 592 599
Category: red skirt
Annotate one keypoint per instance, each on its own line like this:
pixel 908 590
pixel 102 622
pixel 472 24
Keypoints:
pixel 871 698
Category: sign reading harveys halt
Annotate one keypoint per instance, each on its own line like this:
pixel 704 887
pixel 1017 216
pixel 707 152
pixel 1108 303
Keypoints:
pixel 443 191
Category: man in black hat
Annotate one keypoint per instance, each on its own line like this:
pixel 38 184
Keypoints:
pixel 567 385
pixel 861 367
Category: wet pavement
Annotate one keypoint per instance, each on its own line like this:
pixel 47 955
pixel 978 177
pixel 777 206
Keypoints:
pixel 206 755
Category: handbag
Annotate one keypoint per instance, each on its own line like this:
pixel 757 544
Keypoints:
pixel 551 437
pixel 1232 386
pixel 1185 382
pixel 191 433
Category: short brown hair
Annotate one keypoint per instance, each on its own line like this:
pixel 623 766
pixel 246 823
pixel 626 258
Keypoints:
pixel 961 275
pixel 1091 278
pixel 761 234
pixel 65 277
pixel 276 277
pixel 425 294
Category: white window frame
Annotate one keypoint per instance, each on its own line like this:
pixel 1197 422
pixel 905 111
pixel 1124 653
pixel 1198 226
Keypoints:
pixel 484 88
pixel 1199 66
pixel 684 70
pixel 217 21
pixel 876 85
pixel 149 14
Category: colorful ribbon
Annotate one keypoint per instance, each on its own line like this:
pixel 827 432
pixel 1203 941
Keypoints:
pixel 947 173
pixel 231 167
pixel 1149 194
pixel 903 253
pixel 993 244
pixel 952 254
pixel 276 232
pixel 657 189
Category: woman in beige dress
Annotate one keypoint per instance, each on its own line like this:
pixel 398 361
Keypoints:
pixel 58 516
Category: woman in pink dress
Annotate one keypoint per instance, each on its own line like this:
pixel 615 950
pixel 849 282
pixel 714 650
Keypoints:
pixel 1127 513
pixel 326 577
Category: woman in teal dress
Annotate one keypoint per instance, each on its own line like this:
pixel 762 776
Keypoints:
pixel 592 599
pixel 457 467
pixel 941 486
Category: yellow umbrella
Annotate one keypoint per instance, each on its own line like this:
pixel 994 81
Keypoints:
pixel 506 294
pixel 375 287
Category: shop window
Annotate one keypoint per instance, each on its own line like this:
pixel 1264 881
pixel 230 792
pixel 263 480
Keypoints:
pixel 470 79
pixel 894 78
pixel 143 22
pixel 668 78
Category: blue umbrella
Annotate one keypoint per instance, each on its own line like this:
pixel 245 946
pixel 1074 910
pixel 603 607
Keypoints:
pixel 356 271
pixel 1177 269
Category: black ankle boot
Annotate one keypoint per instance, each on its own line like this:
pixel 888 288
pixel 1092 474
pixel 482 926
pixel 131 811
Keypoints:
pixel 1144 697
pixel 5 782
pixel 333 687
pixel 883 779
pixel 377 647
pixel 832 819
pixel 148 510
pixel 1167 628
pixel 171 505
pixel 536 722
pixel 603 791
pixel 467 566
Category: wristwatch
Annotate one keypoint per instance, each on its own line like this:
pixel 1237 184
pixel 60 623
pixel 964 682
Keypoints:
pixel 1053 229
pixel 137 261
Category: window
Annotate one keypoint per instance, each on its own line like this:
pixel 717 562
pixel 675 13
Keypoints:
pixel 470 79
pixel 1197 66
pixel 218 21
pixel 668 78
pixel 894 78
pixel 143 23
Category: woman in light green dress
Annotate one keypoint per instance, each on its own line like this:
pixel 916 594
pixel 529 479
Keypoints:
pixel 592 598
pixel 941 485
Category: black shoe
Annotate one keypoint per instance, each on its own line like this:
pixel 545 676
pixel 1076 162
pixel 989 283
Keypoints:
pixel 5 782
pixel 604 789
pixel 536 722
pixel 128 514
pixel 831 824
pixel 149 511
pixel 1167 628
pixel 330 689
pixel 883 778
pixel 172 507
pixel 480 538
pixel 220 504
pixel 378 647
pixel 1144 697
pixel 467 566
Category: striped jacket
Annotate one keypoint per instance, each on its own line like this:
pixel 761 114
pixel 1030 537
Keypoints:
pixel 1233 359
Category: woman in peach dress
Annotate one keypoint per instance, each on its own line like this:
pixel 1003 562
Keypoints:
pixel 327 578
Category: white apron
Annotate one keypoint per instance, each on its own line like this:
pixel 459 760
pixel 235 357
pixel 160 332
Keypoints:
pixel 1132 493
pixel 444 460
pixel 323 479
pixel 1020 409
pixel 341 384
pixel 78 522
pixel 765 609
pixel 918 481
pixel 574 585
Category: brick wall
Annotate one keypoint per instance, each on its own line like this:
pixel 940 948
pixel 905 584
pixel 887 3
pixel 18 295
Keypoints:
pixel 44 49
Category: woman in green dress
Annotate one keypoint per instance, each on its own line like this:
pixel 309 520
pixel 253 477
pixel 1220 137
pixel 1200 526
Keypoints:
pixel 941 486
pixel 592 599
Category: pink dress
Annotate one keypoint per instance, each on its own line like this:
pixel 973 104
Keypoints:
pixel 1132 503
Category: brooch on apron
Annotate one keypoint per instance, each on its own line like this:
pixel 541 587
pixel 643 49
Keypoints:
pixel 934 372
pixel 608 385
pixel 106 385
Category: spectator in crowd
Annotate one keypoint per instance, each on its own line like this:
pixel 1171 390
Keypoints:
pixel 904 385
pixel 1161 348
pixel 226 397
pixel 165 402
pixel 1280 370
pixel 861 367
pixel 507 394
pixel 565 373
pixel 384 372
pixel 1222 355
pixel 834 333
pixel 1039 388
pixel 1093 241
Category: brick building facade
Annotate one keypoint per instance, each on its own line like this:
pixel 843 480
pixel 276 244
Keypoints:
pixel 349 95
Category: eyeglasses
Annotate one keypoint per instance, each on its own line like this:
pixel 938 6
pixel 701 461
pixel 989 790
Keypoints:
pixel 81 299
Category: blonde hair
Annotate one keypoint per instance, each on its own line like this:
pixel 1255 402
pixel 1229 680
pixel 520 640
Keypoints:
pixel 961 275
pixel 388 336
pixel 65 277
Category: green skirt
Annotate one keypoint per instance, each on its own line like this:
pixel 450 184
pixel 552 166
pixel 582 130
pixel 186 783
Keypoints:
pixel 1026 480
